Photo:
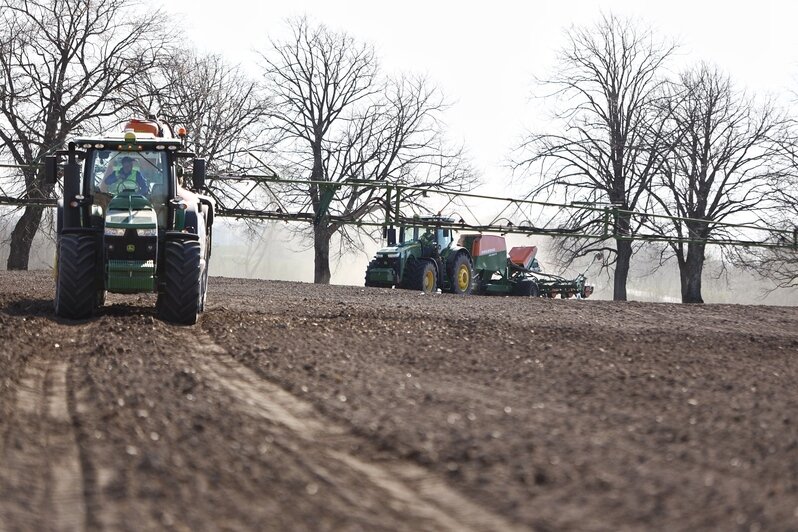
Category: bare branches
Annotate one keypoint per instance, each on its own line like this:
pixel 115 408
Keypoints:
pixel 339 120
pixel 62 68
pixel 728 150
pixel 611 145
pixel 223 111
pixel 64 65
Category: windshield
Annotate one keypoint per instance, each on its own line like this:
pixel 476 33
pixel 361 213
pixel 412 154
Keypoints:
pixel 411 233
pixel 113 171
pixel 142 172
pixel 429 234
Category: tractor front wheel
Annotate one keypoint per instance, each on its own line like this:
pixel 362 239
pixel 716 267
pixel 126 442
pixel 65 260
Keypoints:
pixel 461 275
pixel 75 281
pixel 422 277
pixel 180 298
pixel 375 284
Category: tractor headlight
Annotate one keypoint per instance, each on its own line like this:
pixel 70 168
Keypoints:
pixel 392 255
pixel 114 231
pixel 147 232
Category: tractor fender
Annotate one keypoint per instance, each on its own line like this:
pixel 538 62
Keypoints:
pixel 208 209
pixel 59 216
pixel 457 252
pixel 434 265
pixel 195 223
pixel 450 260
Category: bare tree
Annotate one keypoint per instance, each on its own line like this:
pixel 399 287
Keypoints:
pixel 62 66
pixel 778 263
pixel 222 109
pixel 340 121
pixel 612 141
pixel 727 153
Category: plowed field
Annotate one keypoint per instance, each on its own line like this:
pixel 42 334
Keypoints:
pixel 296 407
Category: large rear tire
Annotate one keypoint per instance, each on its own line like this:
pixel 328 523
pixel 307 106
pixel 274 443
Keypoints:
pixel 76 272
pixel 180 298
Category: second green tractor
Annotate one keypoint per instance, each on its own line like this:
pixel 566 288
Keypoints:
pixel 425 257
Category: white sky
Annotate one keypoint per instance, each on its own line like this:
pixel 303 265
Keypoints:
pixel 484 57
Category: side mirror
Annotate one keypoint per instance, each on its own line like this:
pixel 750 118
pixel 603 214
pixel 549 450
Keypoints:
pixel 391 236
pixel 50 169
pixel 198 174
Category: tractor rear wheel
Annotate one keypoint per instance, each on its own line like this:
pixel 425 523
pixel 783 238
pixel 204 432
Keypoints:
pixel 180 298
pixel 421 276
pixel 527 287
pixel 461 275
pixel 75 281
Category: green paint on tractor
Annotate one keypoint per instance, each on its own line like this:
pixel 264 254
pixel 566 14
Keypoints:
pixel 424 258
pixel 131 215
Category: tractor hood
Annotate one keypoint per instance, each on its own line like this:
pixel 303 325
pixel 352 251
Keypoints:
pixel 395 251
pixel 130 245
pixel 141 219
pixel 131 212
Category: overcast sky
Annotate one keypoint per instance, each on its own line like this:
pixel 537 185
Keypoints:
pixel 485 58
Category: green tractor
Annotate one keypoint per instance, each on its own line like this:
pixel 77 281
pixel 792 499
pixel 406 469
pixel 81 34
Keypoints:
pixel 126 224
pixel 424 258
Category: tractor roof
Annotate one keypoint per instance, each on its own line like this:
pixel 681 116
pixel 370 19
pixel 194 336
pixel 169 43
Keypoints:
pixel 137 134
pixel 119 142
pixel 436 219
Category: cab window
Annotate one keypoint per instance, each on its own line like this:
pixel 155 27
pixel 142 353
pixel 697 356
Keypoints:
pixel 148 166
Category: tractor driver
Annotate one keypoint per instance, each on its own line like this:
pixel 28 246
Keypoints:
pixel 125 178
pixel 429 244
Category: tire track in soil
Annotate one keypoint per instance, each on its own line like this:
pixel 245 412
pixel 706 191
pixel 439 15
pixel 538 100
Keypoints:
pixel 41 466
pixel 405 487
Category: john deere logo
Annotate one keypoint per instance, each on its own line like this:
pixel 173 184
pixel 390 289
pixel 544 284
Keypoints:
pixel 131 248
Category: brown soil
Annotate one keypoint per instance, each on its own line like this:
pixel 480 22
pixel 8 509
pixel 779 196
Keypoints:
pixel 291 406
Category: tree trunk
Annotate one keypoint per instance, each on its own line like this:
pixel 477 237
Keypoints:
pixel 22 237
pixel 624 248
pixel 690 273
pixel 321 249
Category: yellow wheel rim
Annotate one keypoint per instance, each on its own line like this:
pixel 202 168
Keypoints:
pixel 463 277
pixel 429 280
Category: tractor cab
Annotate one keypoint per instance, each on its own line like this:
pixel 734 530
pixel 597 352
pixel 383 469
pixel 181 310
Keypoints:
pixel 429 229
